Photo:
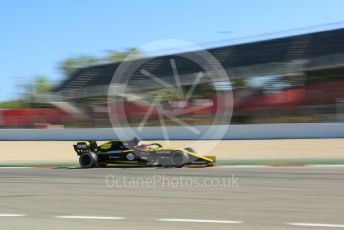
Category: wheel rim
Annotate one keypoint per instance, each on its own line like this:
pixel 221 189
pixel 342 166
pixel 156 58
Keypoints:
pixel 86 160
pixel 130 156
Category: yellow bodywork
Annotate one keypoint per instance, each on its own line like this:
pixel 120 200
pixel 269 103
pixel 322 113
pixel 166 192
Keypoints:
pixel 207 158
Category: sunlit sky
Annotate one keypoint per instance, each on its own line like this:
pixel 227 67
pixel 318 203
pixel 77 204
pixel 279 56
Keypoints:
pixel 37 35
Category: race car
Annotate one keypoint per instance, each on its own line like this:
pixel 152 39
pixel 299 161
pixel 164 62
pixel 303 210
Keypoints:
pixel 122 152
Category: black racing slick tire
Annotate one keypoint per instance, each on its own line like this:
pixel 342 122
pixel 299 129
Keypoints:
pixel 88 160
pixel 179 159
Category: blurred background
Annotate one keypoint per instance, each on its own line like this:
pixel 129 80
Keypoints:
pixel 57 65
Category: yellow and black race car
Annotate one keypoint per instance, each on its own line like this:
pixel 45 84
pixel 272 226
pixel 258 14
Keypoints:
pixel 154 154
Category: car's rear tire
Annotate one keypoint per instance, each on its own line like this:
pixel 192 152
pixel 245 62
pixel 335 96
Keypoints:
pixel 179 159
pixel 88 160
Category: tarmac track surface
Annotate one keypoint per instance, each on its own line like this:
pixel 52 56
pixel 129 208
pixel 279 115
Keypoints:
pixel 169 198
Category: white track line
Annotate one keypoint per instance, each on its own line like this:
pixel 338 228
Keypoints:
pixel 326 166
pixel 242 166
pixel 11 215
pixel 202 221
pixel 317 225
pixel 92 217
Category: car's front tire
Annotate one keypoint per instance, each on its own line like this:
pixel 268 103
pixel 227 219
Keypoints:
pixel 88 160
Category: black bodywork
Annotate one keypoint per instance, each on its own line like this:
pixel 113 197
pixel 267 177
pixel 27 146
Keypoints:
pixel 118 151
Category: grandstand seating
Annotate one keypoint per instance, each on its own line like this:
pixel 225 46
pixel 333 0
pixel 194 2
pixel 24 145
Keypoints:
pixel 270 51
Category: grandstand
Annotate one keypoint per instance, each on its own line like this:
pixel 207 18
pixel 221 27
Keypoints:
pixel 297 61
pixel 320 49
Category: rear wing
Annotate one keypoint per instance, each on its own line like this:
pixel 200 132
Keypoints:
pixel 85 146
